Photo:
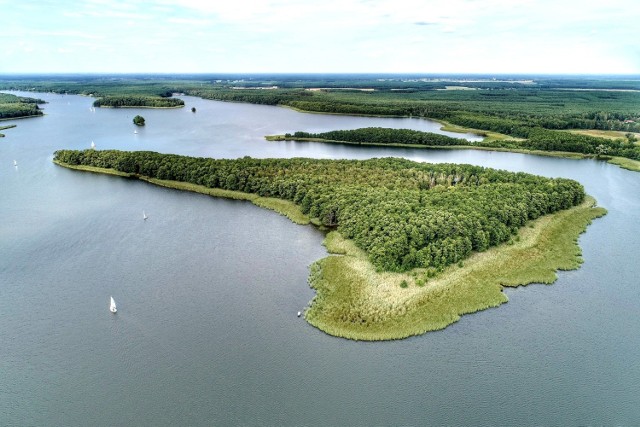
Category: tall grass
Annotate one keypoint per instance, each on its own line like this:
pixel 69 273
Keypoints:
pixel 354 301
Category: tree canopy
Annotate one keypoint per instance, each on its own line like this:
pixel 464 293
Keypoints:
pixel 138 120
pixel 403 214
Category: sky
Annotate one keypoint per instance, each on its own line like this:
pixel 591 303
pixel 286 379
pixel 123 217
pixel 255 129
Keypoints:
pixel 324 36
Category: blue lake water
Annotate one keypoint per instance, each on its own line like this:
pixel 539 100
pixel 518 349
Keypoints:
pixel 208 289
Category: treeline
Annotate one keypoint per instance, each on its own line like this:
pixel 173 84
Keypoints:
pixel 536 139
pixel 378 135
pixel 547 140
pixel 12 106
pixel 402 213
pixel 138 101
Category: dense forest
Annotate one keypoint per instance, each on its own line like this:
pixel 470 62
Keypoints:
pixel 138 101
pixel 536 139
pixel 403 214
pixel 12 106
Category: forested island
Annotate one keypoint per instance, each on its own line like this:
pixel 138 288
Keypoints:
pixel 419 244
pixel 538 140
pixel 131 101
pixel 592 116
pixel 14 107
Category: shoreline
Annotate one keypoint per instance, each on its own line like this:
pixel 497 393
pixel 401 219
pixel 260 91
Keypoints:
pixel 622 162
pixel 354 301
pixel 21 117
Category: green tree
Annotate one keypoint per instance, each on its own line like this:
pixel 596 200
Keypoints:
pixel 601 150
pixel 138 120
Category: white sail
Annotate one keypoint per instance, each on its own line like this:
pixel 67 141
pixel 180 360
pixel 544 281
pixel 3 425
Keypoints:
pixel 15 163
pixel 144 215
pixel 93 144
pixel 112 306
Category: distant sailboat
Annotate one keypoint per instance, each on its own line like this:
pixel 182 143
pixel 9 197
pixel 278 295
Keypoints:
pixel 144 215
pixel 135 131
pixel 93 145
pixel 112 306
pixel 15 163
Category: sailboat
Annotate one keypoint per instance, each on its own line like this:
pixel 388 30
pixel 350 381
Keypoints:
pixel 144 215
pixel 112 306
pixel 93 144
pixel 135 131
pixel 15 163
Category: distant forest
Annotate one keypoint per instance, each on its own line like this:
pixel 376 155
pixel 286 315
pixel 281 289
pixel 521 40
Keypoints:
pixel 538 109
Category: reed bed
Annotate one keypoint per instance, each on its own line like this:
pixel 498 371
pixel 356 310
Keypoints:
pixel 356 302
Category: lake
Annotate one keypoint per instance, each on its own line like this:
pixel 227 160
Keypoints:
pixel 208 290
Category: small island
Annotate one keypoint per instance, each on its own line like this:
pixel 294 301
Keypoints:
pixel 415 245
pixel 138 120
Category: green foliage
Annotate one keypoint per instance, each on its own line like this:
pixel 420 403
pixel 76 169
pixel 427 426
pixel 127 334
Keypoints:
pixel 12 106
pixel 377 135
pixel 403 214
pixel 537 139
pixel 138 101
pixel 138 120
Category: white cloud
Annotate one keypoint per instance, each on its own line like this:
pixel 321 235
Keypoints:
pixel 329 36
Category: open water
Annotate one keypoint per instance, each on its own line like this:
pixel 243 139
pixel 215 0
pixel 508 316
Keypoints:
pixel 208 289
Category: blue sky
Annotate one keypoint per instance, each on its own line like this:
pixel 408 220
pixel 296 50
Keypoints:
pixel 326 36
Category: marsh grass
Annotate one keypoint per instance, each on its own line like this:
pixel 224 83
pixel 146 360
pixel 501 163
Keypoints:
pixel 354 301
pixel 94 169
pixel 283 207
pixel 624 163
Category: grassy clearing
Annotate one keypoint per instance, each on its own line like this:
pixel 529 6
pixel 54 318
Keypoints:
pixel 608 134
pixel 354 301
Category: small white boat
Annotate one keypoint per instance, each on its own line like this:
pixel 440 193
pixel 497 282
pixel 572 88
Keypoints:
pixel 93 144
pixel 15 163
pixel 299 313
pixel 112 306
pixel 135 131
pixel 144 215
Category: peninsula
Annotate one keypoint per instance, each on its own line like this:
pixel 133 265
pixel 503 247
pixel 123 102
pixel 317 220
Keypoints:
pixel 414 245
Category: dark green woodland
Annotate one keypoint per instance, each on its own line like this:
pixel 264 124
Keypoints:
pixel 403 214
